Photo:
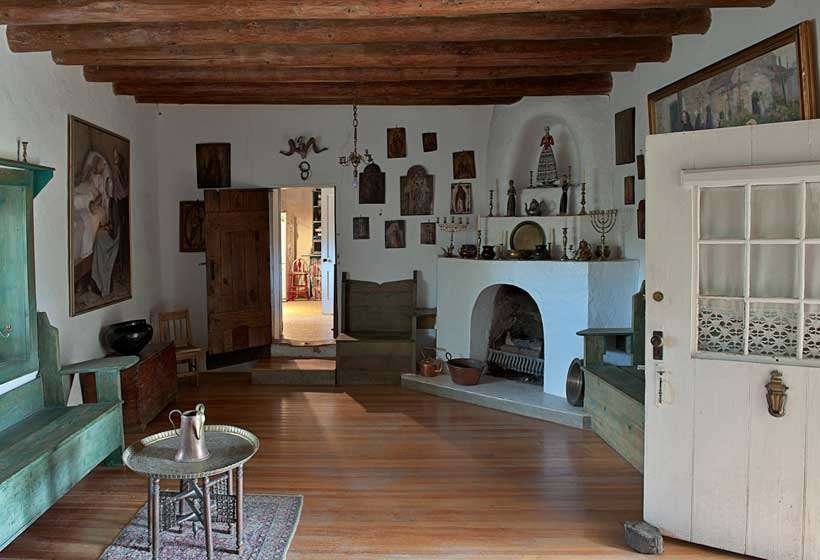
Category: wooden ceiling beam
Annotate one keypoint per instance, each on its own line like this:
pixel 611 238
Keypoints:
pixel 229 74
pixel 571 52
pixel 42 12
pixel 560 25
pixel 587 84
pixel 273 100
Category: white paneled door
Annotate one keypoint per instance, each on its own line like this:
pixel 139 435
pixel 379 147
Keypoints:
pixel 328 266
pixel 733 274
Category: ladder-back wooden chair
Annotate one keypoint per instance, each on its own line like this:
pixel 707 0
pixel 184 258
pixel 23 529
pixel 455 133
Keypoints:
pixel 298 280
pixel 175 326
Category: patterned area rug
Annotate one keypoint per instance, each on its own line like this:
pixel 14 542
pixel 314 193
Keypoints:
pixel 270 523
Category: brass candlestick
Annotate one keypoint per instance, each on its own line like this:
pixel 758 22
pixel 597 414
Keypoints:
pixel 603 221
pixel 564 257
pixel 478 246
pixel 583 210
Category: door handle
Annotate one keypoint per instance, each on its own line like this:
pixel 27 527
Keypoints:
pixel 657 345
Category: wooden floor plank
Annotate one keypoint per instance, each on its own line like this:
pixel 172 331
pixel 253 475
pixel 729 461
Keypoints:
pixel 389 473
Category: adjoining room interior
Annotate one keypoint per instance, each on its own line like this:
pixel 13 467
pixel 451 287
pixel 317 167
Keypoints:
pixel 507 279
pixel 302 238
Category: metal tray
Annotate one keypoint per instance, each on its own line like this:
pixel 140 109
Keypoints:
pixel 229 447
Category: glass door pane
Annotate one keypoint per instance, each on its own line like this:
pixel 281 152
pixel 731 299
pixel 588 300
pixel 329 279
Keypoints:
pixel 773 329
pixel 723 213
pixel 720 325
pixel 776 212
pixel 813 210
pixel 722 270
pixel 775 271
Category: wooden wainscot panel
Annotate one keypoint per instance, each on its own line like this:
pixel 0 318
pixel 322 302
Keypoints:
pixel 616 417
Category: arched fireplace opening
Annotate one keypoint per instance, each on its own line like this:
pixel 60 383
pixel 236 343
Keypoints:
pixel 508 332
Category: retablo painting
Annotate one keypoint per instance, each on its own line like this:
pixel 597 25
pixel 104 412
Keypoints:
pixel 371 185
pixel 464 165
pixel 417 192
pixel 429 141
pixel 99 209
pixel 191 226
pixel 213 165
pixel 771 82
pixel 395 234
pixel 428 233
pixel 361 228
pixel 461 198
pixel 396 143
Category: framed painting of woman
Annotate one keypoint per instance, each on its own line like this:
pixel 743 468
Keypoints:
pixel 99 193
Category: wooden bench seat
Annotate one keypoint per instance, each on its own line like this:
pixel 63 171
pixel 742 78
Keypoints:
pixel 47 447
pixel 45 432
pixel 377 342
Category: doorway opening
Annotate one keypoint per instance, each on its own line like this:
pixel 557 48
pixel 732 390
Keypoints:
pixel 307 258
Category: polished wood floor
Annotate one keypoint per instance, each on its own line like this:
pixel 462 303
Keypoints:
pixel 389 474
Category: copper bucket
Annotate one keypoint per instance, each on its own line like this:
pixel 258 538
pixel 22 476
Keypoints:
pixel 465 371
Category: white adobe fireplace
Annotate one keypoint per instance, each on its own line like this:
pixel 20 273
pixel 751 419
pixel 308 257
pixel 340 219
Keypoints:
pixel 571 296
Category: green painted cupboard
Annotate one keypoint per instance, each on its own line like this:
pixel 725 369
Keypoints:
pixel 46 447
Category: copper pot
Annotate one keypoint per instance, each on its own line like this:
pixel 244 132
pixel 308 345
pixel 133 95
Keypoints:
pixel 430 367
pixel 465 371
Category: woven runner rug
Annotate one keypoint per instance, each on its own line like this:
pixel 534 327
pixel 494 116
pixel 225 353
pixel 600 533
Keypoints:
pixel 270 523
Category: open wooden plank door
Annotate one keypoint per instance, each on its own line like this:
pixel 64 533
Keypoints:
pixel 237 225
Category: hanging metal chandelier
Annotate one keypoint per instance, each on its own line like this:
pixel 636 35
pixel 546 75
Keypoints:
pixel 354 159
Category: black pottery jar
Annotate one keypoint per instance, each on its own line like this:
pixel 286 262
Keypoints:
pixel 488 252
pixel 130 337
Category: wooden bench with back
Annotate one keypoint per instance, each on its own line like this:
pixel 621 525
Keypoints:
pixel 377 342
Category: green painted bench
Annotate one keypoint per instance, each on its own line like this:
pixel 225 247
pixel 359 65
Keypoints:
pixel 47 447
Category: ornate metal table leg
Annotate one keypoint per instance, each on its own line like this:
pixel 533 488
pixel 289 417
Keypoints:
pixel 209 535
pixel 240 507
pixel 153 523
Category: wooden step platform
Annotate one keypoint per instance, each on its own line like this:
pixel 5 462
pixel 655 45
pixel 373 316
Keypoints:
pixel 294 371
pixel 301 349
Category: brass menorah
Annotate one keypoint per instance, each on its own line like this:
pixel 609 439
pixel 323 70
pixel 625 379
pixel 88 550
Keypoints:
pixel 603 221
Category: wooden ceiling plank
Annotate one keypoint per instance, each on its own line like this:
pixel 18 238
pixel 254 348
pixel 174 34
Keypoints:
pixel 535 27
pixel 492 53
pixel 227 74
pixel 41 12
pixel 272 100
pixel 589 84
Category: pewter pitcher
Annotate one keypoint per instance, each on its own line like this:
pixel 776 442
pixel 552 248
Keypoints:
pixel 191 434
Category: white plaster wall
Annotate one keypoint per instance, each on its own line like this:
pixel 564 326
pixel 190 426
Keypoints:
pixel 36 97
pixel 571 296
pixel 258 133
pixel 732 30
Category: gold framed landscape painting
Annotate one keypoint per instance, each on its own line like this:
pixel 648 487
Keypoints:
pixel 99 210
pixel 770 82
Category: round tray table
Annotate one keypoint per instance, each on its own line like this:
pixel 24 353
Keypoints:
pixel 218 498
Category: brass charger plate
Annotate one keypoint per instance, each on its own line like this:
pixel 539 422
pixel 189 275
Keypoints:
pixel 526 235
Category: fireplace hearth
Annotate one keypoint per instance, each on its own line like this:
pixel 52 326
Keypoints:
pixel 515 348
